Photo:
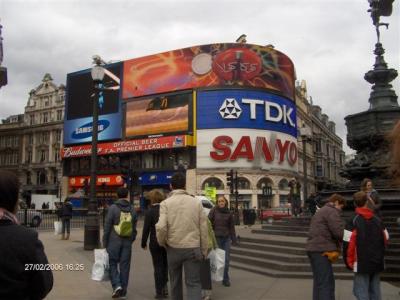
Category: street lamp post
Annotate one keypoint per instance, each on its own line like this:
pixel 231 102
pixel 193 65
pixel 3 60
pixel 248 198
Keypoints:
pixel 305 137
pixel 92 227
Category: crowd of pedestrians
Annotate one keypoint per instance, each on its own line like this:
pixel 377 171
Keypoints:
pixel 181 235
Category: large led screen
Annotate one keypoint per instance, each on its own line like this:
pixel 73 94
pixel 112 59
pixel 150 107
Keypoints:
pixel 80 95
pixel 158 115
pixel 220 65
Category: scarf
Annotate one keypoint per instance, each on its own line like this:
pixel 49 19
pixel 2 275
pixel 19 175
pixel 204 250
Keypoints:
pixel 6 215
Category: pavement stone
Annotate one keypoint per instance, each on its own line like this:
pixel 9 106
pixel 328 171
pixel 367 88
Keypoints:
pixel 78 285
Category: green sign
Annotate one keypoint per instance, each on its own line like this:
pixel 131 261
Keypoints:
pixel 211 193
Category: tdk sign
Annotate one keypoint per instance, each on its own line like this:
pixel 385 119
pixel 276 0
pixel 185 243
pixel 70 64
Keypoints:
pixel 246 109
pixel 85 130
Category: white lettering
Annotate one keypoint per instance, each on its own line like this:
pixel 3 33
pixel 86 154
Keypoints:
pixel 253 103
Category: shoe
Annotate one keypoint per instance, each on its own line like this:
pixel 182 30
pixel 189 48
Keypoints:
pixel 165 291
pixel 159 296
pixel 117 292
pixel 67 237
pixel 226 283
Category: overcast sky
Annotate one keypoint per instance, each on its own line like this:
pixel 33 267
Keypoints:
pixel 330 42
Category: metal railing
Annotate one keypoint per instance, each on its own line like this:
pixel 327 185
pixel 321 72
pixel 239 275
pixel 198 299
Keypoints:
pixel 43 219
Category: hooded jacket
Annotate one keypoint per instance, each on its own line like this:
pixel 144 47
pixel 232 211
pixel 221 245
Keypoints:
pixel 364 244
pixel 113 218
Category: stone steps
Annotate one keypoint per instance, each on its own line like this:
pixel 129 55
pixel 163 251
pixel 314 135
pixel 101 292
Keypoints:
pixel 278 250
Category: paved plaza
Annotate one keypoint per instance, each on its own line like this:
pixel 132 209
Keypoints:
pixel 77 285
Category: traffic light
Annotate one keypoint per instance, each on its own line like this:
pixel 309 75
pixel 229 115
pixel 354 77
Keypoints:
pixel 230 181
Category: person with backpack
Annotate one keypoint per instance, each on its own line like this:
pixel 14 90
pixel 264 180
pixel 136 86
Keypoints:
pixel 365 240
pixel 119 234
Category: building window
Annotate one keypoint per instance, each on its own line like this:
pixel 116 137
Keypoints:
pixel 59 115
pixel 32 120
pixel 44 138
pixel 58 135
pixel 30 139
pixel 28 178
pixel 45 117
pixel 46 101
pixel 56 155
pixel 213 182
pixel 42 155
pixel 29 157
pixel 243 183
pixel 40 177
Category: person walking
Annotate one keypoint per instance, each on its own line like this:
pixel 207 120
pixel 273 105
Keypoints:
pixel 158 253
pixel 182 230
pixel 294 197
pixel 20 250
pixel 364 249
pixel 323 244
pixel 66 215
pixel 223 225
pixel 119 234
pixel 374 201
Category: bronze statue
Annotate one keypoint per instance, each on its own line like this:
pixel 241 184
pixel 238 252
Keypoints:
pixel 380 8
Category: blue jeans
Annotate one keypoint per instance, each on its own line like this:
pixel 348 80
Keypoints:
pixel 367 286
pixel 324 282
pixel 119 252
pixel 66 225
pixel 224 243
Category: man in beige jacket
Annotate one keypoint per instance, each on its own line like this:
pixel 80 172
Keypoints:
pixel 182 230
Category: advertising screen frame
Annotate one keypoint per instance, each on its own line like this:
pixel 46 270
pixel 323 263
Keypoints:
pixel 163 112
pixel 78 125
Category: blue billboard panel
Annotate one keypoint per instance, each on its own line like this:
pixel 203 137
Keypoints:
pixel 246 109
pixel 80 130
pixel 80 95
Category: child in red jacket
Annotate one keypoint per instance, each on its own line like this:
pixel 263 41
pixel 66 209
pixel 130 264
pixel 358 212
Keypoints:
pixel 364 245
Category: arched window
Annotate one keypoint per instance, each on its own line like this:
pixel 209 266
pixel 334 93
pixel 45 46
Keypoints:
pixel 283 185
pixel 243 183
pixel 213 182
pixel 263 182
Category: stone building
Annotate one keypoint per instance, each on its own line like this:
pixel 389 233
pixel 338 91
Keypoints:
pixel 30 143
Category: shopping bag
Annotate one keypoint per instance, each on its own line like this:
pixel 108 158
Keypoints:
pixel 57 227
pixel 101 267
pixel 217 264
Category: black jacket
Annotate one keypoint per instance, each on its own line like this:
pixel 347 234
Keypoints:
pixel 149 227
pixel 66 210
pixel 20 247
pixel 113 218
pixel 364 243
pixel 222 223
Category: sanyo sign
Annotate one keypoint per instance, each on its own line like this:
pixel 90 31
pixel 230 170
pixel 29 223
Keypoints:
pixel 262 130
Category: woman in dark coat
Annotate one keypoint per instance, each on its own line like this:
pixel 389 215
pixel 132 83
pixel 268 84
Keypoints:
pixel 20 250
pixel 158 253
pixel 224 228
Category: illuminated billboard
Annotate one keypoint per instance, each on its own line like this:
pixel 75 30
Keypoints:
pixel 214 65
pixel 79 107
pixel 161 115
pixel 246 129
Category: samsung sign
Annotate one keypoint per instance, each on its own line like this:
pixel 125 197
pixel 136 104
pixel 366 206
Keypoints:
pixel 80 130
pixel 246 109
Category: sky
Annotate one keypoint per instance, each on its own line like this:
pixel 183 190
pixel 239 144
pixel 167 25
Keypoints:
pixel 331 43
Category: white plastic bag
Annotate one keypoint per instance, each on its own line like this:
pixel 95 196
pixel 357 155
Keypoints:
pixel 101 268
pixel 217 264
pixel 57 227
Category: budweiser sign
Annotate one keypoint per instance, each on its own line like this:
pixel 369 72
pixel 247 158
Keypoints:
pixel 157 143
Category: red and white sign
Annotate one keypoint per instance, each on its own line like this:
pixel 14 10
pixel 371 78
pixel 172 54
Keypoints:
pixel 157 143
pixel 109 180
pixel 246 148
